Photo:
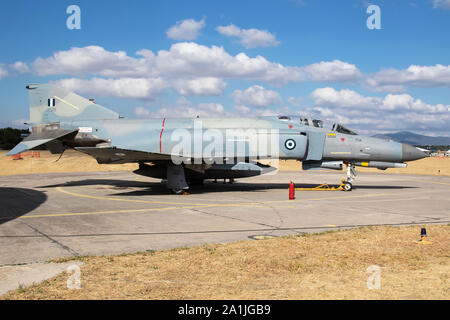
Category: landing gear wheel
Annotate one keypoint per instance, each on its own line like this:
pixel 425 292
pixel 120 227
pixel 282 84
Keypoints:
pixel 348 186
pixel 177 191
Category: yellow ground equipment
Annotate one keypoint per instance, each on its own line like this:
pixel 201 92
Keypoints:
pixel 344 186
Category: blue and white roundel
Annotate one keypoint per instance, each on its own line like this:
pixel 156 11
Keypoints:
pixel 289 144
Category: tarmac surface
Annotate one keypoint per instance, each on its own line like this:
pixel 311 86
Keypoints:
pixel 48 216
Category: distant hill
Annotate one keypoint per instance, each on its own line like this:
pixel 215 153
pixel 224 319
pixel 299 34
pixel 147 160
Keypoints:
pixel 415 139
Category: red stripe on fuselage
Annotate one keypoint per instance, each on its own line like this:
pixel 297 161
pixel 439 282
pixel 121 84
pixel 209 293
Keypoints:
pixel 160 135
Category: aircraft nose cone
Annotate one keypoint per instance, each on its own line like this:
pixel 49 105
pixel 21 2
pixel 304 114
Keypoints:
pixel 410 153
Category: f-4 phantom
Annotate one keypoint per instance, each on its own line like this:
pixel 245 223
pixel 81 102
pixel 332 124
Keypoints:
pixel 186 151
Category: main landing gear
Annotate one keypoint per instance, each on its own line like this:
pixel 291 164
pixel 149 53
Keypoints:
pixel 176 180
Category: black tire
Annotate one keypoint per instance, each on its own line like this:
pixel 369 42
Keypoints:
pixel 348 186
pixel 177 191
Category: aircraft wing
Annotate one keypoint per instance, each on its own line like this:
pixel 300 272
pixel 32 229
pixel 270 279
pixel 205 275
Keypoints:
pixel 36 139
pixel 117 155
pixel 121 155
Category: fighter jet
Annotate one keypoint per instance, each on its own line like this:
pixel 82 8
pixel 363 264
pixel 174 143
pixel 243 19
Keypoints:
pixel 186 151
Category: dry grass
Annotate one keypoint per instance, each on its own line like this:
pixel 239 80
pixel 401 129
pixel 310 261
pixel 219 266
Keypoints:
pixel 321 266
pixel 73 161
pixel 426 166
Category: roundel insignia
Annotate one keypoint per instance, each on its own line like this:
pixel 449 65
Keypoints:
pixel 289 144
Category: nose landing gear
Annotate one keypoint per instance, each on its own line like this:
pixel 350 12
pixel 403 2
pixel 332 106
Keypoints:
pixel 351 176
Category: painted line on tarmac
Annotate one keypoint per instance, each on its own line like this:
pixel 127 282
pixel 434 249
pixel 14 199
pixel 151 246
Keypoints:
pixel 97 212
pixel 189 206
pixel 128 211
pixel 387 200
pixel 123 200
pixel 146 201
pixel 225 204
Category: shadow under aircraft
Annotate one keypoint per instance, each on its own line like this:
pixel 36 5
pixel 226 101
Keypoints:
pixel 16 202
pixel 158 188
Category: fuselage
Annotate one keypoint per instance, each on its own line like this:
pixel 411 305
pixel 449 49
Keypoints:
pixel 281 138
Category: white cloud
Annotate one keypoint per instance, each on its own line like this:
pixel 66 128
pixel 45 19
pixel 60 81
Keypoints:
pixel 394 112
pixel 94 60
pixel 406 102
pixel 230 30
pixel 142 112
pixel 256 96
pixel 242 110
pixel 20 67
pixel 3 72
pixel 249 38
pixel 333 71
pixel 245 111
pixel 211 108
pixel 444 4
pixel 296 102
pixel 183 108
pixel 139 88
pixel 190 68
pixel 414 75
pixel 206 110
pixel 206 86
pixel 194 69
pixel 14 69
pixel 187 29
pixel 185 60
pixel 329 97
pixel 189 59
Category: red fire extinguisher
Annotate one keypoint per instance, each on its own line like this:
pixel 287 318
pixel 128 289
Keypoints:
pixel 291 191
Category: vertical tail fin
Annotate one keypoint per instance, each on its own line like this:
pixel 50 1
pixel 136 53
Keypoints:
pixel 49 103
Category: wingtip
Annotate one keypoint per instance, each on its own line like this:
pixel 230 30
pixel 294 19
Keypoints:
pixel 21 147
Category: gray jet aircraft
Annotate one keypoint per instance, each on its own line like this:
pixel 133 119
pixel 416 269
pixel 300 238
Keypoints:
pixel 186 151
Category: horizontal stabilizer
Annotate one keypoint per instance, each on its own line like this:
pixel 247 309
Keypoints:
pixel 35 140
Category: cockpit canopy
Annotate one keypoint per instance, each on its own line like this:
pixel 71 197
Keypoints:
pixel 317 123
pixel 305 121
pixel 341 129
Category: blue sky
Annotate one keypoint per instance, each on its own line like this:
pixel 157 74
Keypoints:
pixel 227 58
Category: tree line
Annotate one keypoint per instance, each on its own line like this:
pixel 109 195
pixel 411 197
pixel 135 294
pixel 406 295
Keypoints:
pixel 9 137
